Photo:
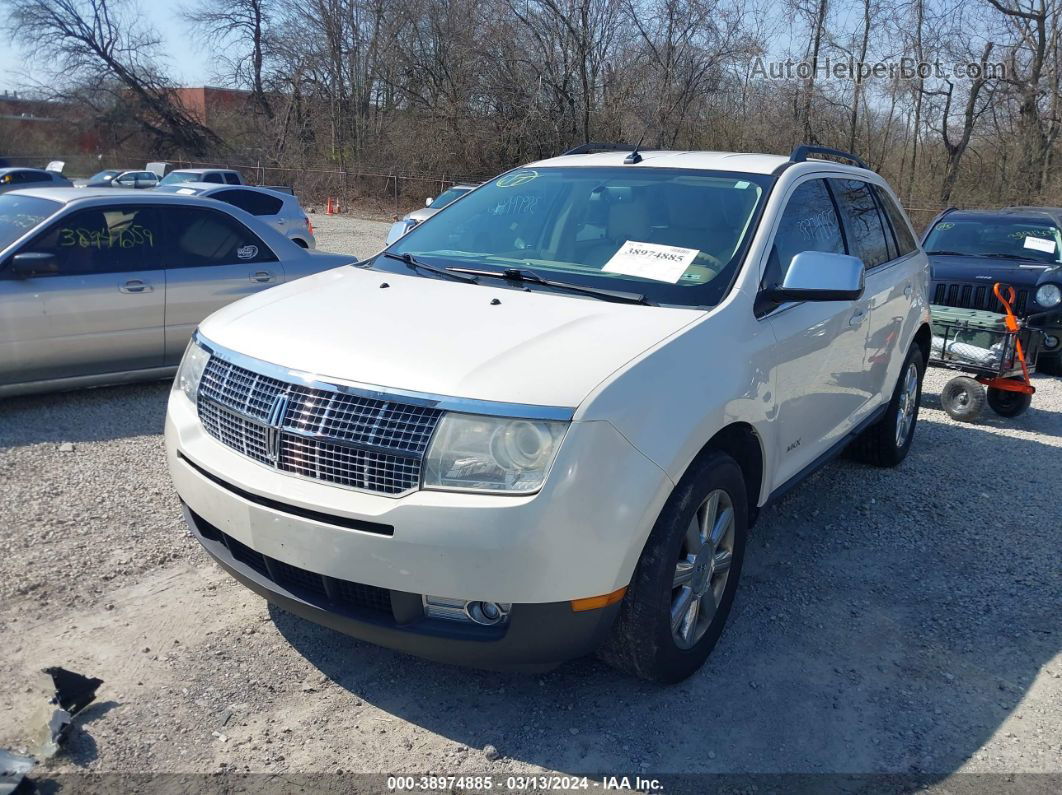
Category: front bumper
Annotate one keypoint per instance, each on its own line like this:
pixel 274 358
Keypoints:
pixel 536 637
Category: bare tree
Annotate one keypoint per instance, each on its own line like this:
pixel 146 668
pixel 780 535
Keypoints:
pixel 91 44
pixel 239 27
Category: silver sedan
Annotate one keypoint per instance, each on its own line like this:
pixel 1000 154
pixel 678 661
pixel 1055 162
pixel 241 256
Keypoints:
pixel 281 211
pixel 99 286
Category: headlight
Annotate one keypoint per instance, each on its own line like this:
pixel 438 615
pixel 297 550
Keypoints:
pixel 191 370
pixel 1048 295
pixel 495 454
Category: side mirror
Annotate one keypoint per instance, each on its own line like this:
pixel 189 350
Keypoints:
pixel 821 276
pixel 34 263
pixel 428 201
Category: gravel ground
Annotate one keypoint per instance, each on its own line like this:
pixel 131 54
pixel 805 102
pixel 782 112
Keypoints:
pixel 888 622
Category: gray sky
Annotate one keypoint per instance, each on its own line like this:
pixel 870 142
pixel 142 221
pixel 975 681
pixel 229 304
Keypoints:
pixel 188 64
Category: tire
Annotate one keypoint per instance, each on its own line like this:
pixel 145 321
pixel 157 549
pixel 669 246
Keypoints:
pixel 887 442
pixel 1006 403
pixel 963 398
pixel 642 641
pixel 1049 364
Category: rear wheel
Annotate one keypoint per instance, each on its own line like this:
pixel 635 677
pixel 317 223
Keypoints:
pixel 1006 403
pixel 887 442
pixel 683 587
pixel 963 398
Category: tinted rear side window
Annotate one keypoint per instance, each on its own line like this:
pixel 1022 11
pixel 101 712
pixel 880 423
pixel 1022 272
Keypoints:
pixel 212 176
pixel 250 200
pixel 905 241
pixel 866 230
pixel 202 237
pixel 232 178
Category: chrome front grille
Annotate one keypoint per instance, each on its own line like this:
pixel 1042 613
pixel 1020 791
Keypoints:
pixel 351 440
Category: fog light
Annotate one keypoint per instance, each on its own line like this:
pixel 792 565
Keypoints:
pixel 1050 341
pixel 486 614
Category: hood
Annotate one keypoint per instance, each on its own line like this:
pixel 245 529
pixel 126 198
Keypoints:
pixel 987 270
pixel 443 337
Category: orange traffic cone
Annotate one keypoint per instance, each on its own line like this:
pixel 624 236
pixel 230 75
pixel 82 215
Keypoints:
pixel 328 207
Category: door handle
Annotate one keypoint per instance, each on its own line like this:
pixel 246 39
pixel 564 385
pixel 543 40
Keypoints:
pixel 857 317
pixel 135 286
pixel 261 276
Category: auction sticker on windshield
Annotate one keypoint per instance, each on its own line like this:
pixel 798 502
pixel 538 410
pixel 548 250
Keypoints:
pixel 1040 244
pixel 651 261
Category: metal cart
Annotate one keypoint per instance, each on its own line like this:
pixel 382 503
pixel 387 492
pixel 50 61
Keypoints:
pixel 996 353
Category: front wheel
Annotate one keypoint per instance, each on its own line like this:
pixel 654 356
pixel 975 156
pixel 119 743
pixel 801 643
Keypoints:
pixel 683 587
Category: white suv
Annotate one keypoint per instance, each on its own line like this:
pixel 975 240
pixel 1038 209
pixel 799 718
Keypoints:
pixel 542 424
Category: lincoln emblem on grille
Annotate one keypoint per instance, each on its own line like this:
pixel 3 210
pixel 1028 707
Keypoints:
pixel 277 412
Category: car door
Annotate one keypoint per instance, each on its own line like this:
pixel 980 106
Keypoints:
pixel 212 259
pixel 102 309
pixel 819 382
pixel 889 278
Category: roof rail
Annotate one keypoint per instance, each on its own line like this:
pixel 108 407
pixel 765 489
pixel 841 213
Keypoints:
pixel 800 154
pixel 593 146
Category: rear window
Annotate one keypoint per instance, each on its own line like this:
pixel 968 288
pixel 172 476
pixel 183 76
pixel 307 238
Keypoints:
pixel 252 201
pixel 20 214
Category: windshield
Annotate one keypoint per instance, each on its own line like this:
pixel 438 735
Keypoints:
pixel 181 176
pixel 19 214
pixel 104 176
pixel 1019 239
pixel 447 196
pixel 675 236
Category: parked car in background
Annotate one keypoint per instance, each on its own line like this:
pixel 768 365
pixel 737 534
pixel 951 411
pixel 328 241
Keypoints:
pixel 431 207
pixel 16 178
pixel 99 286
pixel 971 250
pixel 541 424
pixel 119 178
pixel 217 176
pixel 280 210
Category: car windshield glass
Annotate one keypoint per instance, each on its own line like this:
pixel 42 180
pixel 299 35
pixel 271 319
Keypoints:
pixel 446 197
pixel 104 176
pixel 19 214
pixel 175 177
pixel 1001 238
pixel 674 235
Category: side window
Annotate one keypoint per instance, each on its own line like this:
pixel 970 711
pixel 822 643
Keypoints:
pixel 250 200
pixel 904 238
pixel 209 237
pixel 112 239
pixel 232 178
pixel 808 223
pixel 212 176
pixel 865 228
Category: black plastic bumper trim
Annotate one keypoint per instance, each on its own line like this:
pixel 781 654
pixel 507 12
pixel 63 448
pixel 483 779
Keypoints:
pixel 294 510
pixel 538 637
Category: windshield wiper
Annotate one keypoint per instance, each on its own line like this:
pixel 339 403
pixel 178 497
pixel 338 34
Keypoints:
pixel 1008 256
pixel 530 277
pixel 950 253
pixel 413 263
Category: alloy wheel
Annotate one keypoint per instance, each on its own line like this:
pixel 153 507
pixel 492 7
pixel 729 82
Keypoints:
pixel 702 569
